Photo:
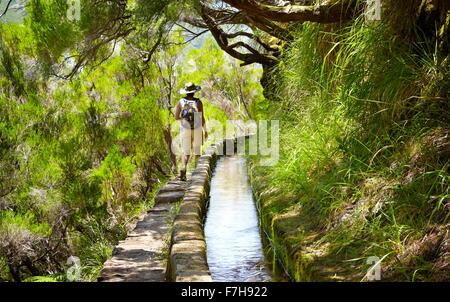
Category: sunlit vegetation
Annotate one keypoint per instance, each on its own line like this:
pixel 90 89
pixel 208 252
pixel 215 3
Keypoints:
pixel 86 127
pixel 365 151
pixel 82 156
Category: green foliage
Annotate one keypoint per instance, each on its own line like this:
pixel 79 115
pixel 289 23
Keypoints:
pixel 44 279
pixel 151 10
pixel 11 67
pixel 364 135
pixel 26 221
pixel 226 85
pixel 81 157
pixel 115 173
pixel 52 31
pixel 364 166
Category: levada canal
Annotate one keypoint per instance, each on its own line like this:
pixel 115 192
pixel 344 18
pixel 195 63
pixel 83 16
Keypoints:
pixel 233 238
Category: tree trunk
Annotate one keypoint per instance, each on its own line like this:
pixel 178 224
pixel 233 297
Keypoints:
pixel 172 156
pixel 15 274
pixel 269 83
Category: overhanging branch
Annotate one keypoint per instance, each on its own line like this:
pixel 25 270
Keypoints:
pixel 324 13
pixel 222 40
pixel 6 8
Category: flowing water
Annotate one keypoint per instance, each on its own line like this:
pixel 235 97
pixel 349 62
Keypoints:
pixel 233 238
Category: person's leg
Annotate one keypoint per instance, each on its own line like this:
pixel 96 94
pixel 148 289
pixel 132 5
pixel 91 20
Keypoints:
pixel 185 161
pixel 197 143
pixel 186 146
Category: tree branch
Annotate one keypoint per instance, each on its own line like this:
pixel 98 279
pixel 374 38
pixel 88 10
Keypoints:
pixel 270 27
pixel 232 17
pixel 325 13
pixel 6 8
pixel 252 36
pixel 222 40
pixel 113 30
pixel 153 49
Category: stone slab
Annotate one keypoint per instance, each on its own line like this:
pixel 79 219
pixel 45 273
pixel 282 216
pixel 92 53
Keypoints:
pixel 169 197
pixel 171 188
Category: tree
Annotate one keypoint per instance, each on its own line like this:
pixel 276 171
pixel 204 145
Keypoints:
pixel 260 20
pixel 166 63
pixel 224 83
pixel 242 28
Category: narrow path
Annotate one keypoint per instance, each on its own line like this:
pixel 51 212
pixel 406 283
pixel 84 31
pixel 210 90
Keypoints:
pixel 141 256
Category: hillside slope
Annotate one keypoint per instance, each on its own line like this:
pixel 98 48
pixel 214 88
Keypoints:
pixel 364 142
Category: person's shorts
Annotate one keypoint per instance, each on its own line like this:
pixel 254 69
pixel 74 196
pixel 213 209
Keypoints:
pixel 191 140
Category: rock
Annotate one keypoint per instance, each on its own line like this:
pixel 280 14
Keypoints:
pixel 176 182
pixel 188 262
pixel 169 197
pixel 171 188
pixel 187 227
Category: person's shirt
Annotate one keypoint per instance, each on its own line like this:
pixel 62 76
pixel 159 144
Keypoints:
pixel 184 104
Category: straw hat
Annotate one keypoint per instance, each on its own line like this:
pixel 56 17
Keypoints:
pixel 190 88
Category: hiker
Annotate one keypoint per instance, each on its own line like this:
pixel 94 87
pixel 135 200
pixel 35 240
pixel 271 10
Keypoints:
pixel 189 111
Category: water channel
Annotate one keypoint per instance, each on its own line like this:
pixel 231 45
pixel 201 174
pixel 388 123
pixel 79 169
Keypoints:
pixel 233 238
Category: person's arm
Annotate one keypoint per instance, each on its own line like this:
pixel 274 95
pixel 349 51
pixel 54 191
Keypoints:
pixel 177 111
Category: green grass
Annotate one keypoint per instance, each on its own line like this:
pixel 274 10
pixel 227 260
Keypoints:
pixel 364 154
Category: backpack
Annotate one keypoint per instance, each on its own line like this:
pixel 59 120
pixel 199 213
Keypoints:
pixel 188 111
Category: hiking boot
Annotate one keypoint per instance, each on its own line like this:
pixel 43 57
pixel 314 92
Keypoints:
pixel 183 174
